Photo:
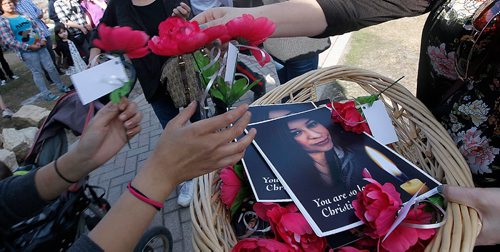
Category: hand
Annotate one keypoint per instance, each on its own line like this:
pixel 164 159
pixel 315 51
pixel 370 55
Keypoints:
pixel 183 11
pixel 486 203
pixel 34 47
pixel 108 132
pixel 217 16
pixel 43 43
pixel 185 150
pixel 83 29
pixel 88 27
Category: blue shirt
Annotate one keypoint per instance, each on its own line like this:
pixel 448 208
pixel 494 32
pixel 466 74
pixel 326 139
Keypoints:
pixel 23 30
pixel 29 9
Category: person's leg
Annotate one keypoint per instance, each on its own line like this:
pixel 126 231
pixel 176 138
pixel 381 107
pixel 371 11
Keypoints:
pixel 6 112
pixel 301 66
pixel 32 61
pixel 48 65
pixel 5 67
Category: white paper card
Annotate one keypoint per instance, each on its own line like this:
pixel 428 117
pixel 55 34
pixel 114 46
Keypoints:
pixel 99 80
pixel 379 122
pixel 232 56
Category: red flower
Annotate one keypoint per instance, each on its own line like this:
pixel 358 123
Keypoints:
pixel 293 229
pixel 258 244
pixel 217 32
pixel 122 40
pixel 349 117
pixel 377 206
pixel 405 238
pixel 351 249
pixel 177 36
pixel 261 209
pixel 252 32
pixel 231 185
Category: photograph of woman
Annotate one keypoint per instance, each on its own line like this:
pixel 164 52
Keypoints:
pixel 320 166
pixel 306 152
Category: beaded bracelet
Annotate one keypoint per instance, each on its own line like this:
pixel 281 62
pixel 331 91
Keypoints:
pixel 139 195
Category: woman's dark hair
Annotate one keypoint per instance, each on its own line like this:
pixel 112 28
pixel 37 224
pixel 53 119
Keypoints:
pixel 299 157
pixel 1 5
pixel 4 171
pixel 62 48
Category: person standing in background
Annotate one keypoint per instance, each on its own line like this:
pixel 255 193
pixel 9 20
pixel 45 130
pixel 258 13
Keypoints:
pixel 52 12
pixel 29 9
pixel 94 9
pixel 199 6
pixel 73 17
pixel 6 69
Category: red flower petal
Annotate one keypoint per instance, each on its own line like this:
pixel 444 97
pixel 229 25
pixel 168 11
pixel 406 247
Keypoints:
pixel 231 185
pixel 133 43
pixel 261 209
pixel 258 244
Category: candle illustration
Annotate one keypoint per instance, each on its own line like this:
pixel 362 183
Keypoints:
pixel 411 186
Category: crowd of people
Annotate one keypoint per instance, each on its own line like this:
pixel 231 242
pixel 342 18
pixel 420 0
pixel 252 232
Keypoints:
pixel 458 80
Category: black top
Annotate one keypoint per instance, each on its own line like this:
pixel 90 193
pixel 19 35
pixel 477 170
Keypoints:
pixel 152 15
pixel 148 68
pixel 346 16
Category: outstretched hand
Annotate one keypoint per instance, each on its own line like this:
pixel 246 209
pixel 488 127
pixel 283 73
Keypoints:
pixel 486 203
pixel 108 132
pixel 188 150
pixel 217 16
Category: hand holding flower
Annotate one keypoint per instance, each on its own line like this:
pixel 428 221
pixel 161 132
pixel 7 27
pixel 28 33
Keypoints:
pixel 183 11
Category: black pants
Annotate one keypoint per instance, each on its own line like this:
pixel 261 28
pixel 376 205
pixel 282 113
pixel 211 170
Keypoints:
pixel 5 66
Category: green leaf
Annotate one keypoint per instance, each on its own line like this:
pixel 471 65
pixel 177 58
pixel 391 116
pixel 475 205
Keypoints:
pixel 370 99
pixel 242 194
pixel 217 94
pixel 437 199
pixel 238 169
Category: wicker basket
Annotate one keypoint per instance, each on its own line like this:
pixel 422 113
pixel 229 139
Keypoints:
pixel 422 140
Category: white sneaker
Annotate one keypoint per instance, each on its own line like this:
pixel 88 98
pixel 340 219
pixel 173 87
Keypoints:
pixel 3 82
pixel 7 113
pixel 185 193
pixel 14 77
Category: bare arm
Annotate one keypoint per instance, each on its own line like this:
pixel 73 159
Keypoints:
pixel 303 17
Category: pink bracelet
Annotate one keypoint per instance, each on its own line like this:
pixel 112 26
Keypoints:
pixel 139 195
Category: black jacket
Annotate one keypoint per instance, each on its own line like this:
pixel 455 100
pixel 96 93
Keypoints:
pixel 148 68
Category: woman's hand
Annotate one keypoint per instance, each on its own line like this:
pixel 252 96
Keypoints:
pixel 217 16
pixel 83 29
pixel 183 11
pixel 108 132
pixel 186 150
pixel 487 204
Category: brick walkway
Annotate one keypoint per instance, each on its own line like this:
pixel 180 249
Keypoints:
pixel 116 173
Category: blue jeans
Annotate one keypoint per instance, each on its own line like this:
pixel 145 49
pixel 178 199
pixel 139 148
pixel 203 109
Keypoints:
pixel 38 60
pixel 293 68
pixel 165 110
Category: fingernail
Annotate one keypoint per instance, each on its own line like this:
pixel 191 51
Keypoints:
pixel 123 116
pixel 203 26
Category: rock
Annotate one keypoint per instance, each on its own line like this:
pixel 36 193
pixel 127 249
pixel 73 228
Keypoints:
pixel 29 116
pixel 8 158
pixel 19 141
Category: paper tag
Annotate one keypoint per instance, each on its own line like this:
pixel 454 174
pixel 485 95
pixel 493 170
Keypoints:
pixel 99 80
pixel 232 56
pixel 379 122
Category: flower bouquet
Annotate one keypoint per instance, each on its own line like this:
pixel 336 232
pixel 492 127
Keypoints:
pixel 201 50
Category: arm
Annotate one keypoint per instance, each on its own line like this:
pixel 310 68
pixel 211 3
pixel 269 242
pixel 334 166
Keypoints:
pixel 103 138
pixel 321 17
pixel 184 151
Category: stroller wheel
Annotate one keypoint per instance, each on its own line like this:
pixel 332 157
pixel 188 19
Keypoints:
pixel 156 239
